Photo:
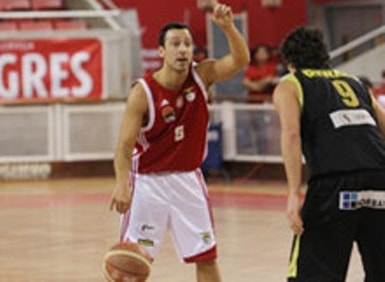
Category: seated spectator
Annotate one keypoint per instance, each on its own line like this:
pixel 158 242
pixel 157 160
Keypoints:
pixel 259 79
pixel 261 76
pixel 379 92
pixel 200 54
pixel 366 81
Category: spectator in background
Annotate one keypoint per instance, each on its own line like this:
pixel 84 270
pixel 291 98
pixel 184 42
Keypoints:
pixel 200 54
pixel 261 76
pixel 379 92
pixel 366 81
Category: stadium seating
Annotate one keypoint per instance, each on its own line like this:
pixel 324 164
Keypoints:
pixel 15 5
pixel 70 25
pixel 31 4
pixel 46 4
pixel 8 26
pixel 35 25
pixel 38 24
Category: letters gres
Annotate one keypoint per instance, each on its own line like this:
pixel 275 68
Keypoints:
pixel 51 69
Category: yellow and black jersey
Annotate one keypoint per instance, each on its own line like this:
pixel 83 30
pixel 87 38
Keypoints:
pixel 338 125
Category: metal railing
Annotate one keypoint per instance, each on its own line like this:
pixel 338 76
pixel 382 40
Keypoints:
pixel 65 132
pixel 355 43
pixel 59 14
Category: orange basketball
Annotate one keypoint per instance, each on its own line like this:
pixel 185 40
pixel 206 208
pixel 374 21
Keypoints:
pixel 126 262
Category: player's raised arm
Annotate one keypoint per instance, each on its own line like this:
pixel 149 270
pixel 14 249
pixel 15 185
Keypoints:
pixel 223 68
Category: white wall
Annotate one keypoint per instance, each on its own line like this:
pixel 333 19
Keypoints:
pixel 370 64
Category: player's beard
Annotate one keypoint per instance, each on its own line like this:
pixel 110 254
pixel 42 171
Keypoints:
pixel 182 66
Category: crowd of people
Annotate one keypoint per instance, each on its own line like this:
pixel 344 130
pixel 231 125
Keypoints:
pixel 260 78
pixel 266 69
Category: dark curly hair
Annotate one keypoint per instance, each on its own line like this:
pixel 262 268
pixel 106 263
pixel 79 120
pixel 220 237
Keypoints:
pixel 305 48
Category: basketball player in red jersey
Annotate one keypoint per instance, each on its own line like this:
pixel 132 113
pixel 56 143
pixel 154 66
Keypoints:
pixel 162 143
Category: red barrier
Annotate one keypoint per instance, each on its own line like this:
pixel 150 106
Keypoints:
pixel 50 70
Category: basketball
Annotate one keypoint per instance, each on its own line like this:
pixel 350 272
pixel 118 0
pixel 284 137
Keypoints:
pixel 126 262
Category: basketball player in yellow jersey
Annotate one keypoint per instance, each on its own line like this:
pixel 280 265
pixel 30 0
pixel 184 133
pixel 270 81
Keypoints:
pixel 332 119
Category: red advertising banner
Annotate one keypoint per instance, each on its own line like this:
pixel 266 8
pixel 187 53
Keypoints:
pixel 50 70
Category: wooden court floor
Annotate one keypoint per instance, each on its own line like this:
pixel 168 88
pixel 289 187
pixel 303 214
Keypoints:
pixel 58 230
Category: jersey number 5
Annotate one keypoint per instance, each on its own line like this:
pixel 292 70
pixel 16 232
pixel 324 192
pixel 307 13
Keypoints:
pixel 179 133
pixel 349 98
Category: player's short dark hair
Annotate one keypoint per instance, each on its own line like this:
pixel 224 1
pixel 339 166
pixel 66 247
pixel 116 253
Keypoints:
pixel 305 47
pixel 167 27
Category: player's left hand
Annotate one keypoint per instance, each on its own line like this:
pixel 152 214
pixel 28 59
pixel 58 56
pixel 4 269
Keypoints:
pixel 222 15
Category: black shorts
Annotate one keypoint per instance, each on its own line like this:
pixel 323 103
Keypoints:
pixel 322 252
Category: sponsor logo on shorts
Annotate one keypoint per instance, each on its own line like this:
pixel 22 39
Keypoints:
pixel 206 237
pixel 354 200
pixel 145 227
pixel 145 242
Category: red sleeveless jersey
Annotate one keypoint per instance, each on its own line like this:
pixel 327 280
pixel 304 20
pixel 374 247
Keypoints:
pixel 174 138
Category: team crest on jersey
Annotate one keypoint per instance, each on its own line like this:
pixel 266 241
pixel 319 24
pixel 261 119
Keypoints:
pixel 190 94
pixel 168 114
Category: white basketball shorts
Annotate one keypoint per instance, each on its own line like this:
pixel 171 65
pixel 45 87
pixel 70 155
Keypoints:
pixel 177 200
